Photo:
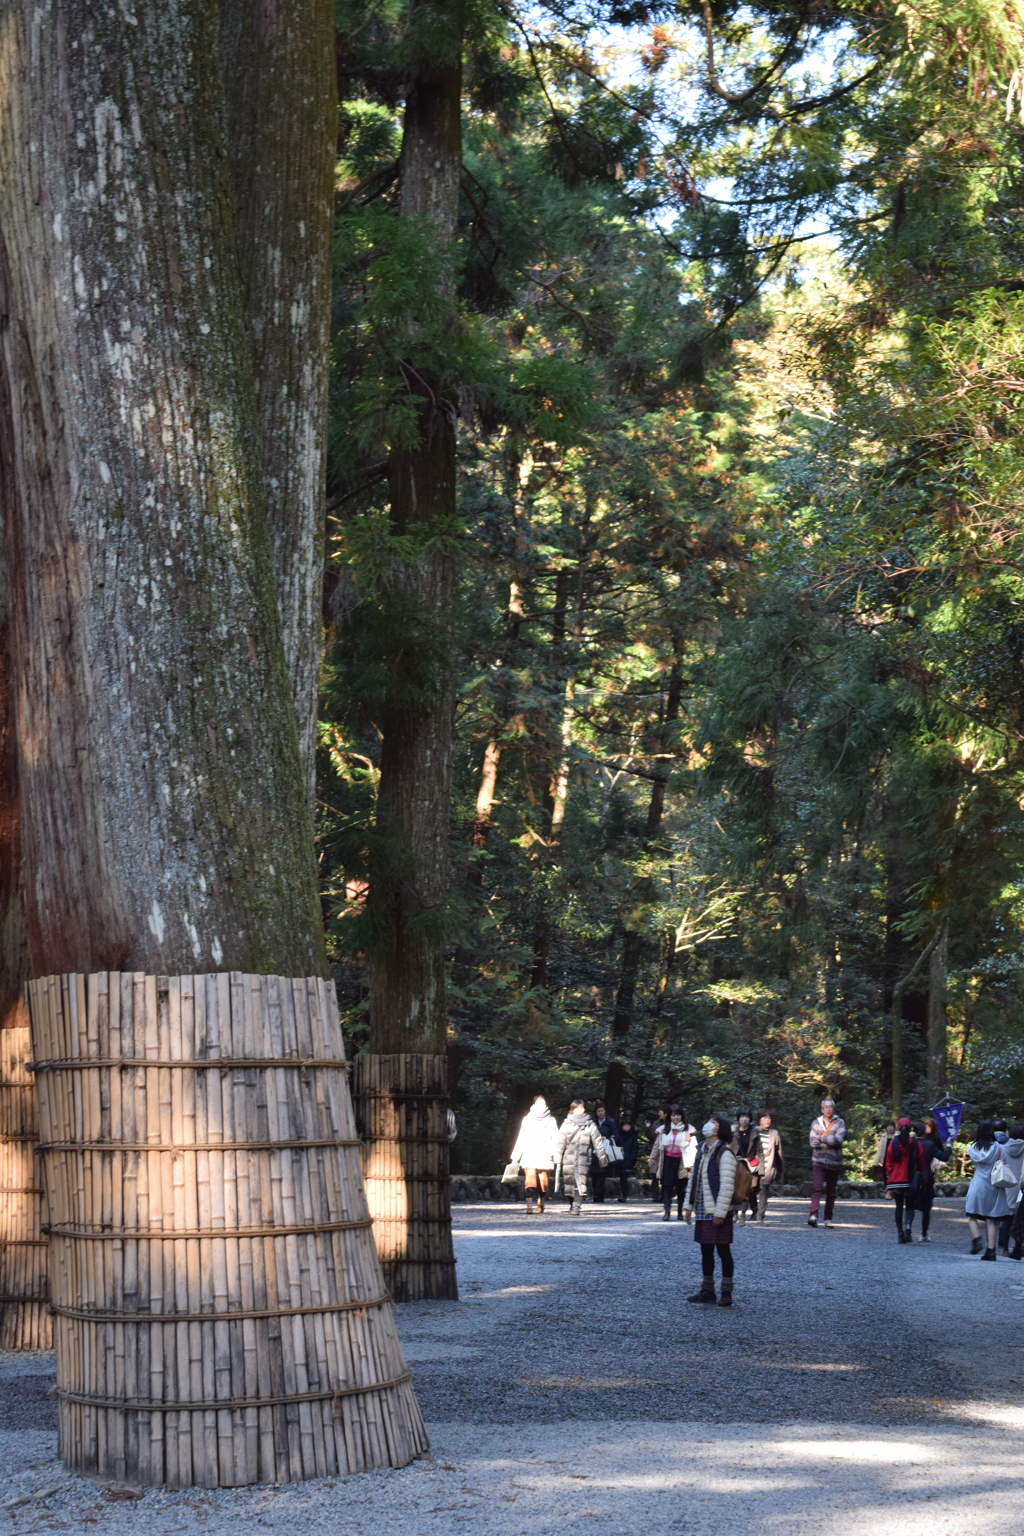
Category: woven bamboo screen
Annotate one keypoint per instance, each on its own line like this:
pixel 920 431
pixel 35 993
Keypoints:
pixel 401 1108
pixel 220 1316
pixel 25 1321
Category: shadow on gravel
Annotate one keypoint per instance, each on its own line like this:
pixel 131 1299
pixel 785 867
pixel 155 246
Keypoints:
pixel 24 1403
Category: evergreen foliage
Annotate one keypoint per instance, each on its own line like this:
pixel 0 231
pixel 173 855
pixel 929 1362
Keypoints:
pixel 734 342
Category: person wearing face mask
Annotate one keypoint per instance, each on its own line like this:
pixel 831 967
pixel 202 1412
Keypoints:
pixel 827 1133
pixel 535 1150
pixel 578 1139
pixel 668 1162
pixel 709 1200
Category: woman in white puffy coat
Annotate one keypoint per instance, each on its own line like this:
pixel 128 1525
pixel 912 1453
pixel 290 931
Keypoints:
pixel 535 1150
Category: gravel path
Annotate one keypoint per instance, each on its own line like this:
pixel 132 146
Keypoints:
pixel 573 1388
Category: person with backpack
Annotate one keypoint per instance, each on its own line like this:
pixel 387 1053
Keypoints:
pixel 709 1201
pixel 904 1165
pixel 923 1197
pixel 668 1160
pixel 827 1134
pixel 578 1141
pixel 986 1199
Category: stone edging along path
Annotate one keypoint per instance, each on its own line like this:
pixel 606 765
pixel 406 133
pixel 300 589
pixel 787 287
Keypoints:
pixel 483 1186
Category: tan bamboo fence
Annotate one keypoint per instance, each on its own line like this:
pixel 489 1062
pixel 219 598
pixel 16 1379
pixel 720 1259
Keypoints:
pixel 220 1316
pixel 401 1110
pixel 25 1321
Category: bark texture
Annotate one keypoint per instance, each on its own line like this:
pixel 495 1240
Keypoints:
pixel 164 815
pixel 407 991
pixel 938 966
pixel 13 949
pixel 408 1012
pixel 634 942
pixel 280 94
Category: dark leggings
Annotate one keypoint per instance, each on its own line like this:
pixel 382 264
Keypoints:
pixel 922 1203
pixel 673 1183
pixel 707 1259
pixel 899 1199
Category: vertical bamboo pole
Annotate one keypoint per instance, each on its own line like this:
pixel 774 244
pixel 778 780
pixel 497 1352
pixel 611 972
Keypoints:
pixel 220 1312
pixel 25 1321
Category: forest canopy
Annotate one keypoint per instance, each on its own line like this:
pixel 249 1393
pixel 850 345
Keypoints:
pixel 732 344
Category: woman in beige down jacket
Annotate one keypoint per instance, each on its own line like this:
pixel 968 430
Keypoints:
pixel 709 1200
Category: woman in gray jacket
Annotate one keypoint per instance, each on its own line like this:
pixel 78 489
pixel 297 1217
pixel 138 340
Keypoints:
pixel 578 1139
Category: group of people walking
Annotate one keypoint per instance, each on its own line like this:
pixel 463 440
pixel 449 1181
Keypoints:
pixel 698 1173
pixel 724 1174
pixel 911 1153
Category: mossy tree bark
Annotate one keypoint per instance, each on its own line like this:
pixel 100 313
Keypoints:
pixel 164 817
pixel 279 79
pixel 408 1187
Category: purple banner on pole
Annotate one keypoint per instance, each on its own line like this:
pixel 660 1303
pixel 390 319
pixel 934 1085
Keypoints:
pixel 948 1116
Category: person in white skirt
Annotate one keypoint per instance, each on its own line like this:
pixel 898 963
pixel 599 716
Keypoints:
pixel 535 1149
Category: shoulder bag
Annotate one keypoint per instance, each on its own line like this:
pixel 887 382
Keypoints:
pixel 1002 1174
pixel 612 1150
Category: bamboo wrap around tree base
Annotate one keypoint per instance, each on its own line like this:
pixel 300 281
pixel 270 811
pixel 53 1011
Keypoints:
pixel 401 1109
pixel 25 1321
pixel 220 1316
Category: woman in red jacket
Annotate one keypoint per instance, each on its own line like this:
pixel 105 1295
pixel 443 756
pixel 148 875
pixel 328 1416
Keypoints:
pixel 904 1163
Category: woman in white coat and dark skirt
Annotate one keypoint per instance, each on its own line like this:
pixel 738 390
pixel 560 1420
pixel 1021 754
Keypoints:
pixel 535 1150
pixel 709 1200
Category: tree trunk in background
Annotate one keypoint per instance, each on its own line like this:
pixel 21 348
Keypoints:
pixel 164 813
pixel 281 96
pixel 634 942
pixel 406 1160
pixel 938 966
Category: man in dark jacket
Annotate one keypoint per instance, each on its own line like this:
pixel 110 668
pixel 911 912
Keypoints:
pixel 608 1131
pixel 630 1144
pixel 578 1141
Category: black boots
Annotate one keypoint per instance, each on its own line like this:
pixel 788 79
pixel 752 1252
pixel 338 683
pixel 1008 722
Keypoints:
pixel 975 1244
pixel 725 1300
pixel 989 1253
pixel 706 1292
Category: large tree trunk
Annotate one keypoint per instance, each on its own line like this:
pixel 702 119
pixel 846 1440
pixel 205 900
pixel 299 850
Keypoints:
pixel 282 125
pixel 164 814
pixel 407 1179
pixel 164 817
pixel 634 943
pixel 25 1321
